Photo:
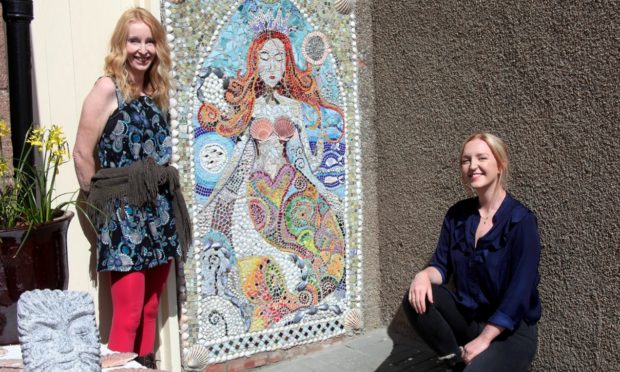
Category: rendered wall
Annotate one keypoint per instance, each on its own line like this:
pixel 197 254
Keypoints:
pixel 544 76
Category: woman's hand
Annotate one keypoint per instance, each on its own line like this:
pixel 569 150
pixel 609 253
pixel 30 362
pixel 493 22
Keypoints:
pixel 421 288
pixel 473 348
pixel 481 343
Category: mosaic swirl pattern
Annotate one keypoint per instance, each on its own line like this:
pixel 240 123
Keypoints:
pixel 266 137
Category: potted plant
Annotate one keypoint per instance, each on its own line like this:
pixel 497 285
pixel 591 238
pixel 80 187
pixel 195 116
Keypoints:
pixel 33 223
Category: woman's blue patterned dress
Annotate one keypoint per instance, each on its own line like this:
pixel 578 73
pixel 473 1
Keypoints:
pixel 133 238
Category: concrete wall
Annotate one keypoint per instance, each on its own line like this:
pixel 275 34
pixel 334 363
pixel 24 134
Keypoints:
pixel 371 246
pixel 544 76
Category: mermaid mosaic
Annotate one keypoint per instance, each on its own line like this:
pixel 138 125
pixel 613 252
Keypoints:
pixel 273 248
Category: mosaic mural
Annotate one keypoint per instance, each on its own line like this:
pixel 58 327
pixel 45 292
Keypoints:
pixel 266 137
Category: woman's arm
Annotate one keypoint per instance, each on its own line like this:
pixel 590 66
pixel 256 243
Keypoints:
pixel 98 106
pixel 516 302
pixel 422 288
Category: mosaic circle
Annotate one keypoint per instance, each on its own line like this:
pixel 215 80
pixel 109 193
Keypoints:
pixel 213 157
pixel 212 154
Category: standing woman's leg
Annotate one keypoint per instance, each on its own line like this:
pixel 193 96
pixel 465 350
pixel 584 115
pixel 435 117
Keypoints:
pixel 127 302
pixel 442 326
pixel 155 280
pixel 508 352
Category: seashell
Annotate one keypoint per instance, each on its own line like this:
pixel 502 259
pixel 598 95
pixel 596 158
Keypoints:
pixel 197 357
pixel 284 128
pixel 353 320
pixel 261 129
pixel 116 359
pixel 344 6
pixel 3 351
pixel 11 363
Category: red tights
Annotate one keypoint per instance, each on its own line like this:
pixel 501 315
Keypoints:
pixel 135 301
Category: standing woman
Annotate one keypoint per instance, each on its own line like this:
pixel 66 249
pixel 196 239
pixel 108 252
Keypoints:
pixel 138 209
pixel 489 246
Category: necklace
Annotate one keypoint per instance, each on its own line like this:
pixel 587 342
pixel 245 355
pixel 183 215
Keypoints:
pixel 491 211
pixel 485 219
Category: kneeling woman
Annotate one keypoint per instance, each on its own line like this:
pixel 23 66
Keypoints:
pixel 489 246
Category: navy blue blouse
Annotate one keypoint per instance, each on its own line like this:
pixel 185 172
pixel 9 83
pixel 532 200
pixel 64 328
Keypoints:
pixel 495 281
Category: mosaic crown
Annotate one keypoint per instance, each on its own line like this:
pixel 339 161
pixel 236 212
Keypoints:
pixel 266 21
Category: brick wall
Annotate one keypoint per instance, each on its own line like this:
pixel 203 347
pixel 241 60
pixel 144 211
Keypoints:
pixel 6 148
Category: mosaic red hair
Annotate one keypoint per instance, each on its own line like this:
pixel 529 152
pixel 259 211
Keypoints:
pixel 296 83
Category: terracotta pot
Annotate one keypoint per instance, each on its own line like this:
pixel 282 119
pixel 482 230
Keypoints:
pixel 41 263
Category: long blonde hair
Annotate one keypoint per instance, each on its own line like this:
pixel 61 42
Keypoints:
pixel 157 78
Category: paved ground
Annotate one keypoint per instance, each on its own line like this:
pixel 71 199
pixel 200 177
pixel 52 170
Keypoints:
pixel 375 350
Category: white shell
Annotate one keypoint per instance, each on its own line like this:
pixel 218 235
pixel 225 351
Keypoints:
pixel 344 6
pixel 353 320
pixel 197 357
pixel 3 351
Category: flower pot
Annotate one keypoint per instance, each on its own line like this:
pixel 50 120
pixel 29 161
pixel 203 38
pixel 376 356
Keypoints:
pixel 41 263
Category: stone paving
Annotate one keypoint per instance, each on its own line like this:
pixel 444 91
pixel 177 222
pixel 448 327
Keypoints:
pixel 376 350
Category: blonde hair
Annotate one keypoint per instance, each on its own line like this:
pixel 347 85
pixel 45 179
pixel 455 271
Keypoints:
pixel 498 149
pixel 157 78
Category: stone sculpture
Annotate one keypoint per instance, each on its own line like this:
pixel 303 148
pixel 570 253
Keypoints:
pixel 58 332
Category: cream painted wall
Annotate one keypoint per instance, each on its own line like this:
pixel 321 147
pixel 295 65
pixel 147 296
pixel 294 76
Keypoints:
pixel 70 39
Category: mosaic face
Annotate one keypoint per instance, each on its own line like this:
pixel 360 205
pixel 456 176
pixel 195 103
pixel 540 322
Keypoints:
pixel 57 331
pixel 271 62
pixel 273 171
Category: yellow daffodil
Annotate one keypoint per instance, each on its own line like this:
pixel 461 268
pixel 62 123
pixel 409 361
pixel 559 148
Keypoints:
pixel 4 168
pixel 36 137
pixel 4 129
pixel 31 197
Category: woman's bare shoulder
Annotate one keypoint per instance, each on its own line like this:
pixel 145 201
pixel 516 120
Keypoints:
pixel 104 86
pixel 100 101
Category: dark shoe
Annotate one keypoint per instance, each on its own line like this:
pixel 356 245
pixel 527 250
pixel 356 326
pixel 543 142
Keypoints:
pixel 147 360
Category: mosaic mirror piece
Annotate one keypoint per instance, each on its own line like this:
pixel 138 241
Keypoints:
pixel 266 137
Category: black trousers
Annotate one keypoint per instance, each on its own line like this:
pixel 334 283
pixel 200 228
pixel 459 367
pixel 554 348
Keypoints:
pixel 444 328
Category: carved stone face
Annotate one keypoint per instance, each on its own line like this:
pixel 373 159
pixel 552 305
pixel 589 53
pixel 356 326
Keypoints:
pixel 58 332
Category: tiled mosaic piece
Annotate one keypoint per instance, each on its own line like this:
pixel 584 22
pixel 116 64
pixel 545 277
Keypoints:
pixel 266 137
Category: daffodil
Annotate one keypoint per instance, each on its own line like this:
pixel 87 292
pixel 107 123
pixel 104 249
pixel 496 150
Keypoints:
pixel 30 197
pixel 4 168
pixel 4 129
pixel 36 137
